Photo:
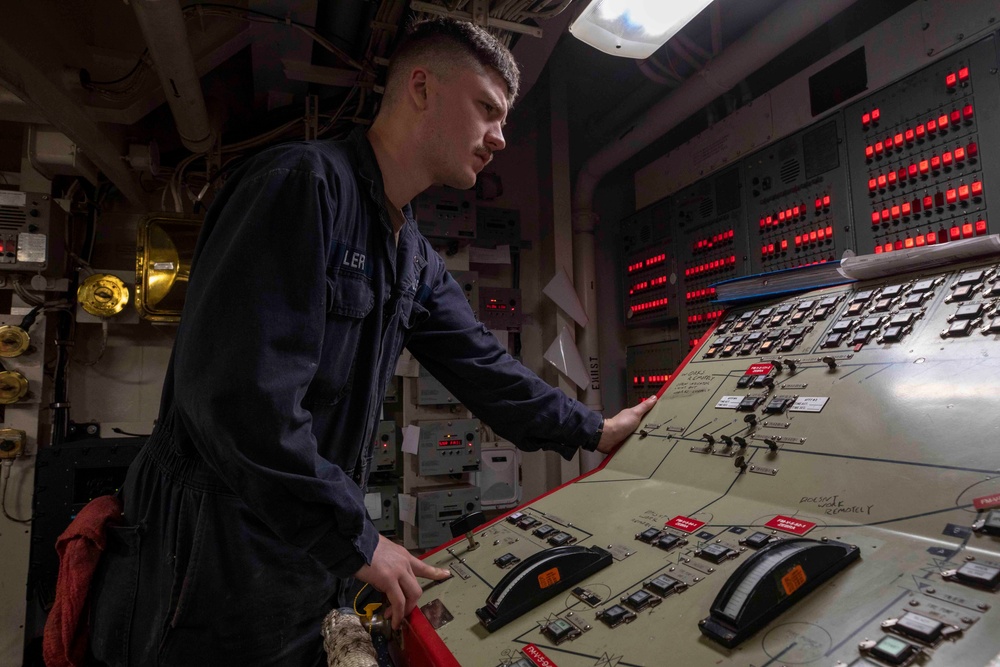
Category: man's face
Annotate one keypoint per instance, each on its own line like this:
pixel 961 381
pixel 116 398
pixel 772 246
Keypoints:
pixel 465 122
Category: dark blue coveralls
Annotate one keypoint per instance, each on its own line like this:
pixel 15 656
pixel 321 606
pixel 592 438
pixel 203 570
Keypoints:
pixel 244 513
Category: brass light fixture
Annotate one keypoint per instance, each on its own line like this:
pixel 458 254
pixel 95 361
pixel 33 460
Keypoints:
pixel 165 246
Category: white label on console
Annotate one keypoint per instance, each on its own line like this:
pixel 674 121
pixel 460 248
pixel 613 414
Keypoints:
pixel 729 402
pixel 809 404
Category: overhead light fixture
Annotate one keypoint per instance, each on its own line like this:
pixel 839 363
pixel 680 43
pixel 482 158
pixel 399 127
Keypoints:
pixel 633 28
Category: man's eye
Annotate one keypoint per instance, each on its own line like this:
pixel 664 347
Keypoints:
pixel 488 107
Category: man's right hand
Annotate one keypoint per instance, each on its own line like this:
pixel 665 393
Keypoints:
pixel 394 571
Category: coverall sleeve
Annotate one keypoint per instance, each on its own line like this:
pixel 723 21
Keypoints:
pixel 461 352
pixel 250 341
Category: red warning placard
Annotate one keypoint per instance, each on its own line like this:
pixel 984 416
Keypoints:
pixel 759 369
pixel 787 524
pixel 685 524
pixel 535 655
pixel 987 502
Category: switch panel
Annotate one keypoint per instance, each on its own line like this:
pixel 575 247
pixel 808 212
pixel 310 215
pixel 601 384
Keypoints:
pixel 448 447
pixel 500 308
pixel 386 447
pixel 649 267
pixel 438 507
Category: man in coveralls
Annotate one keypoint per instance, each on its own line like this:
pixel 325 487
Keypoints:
pixel 245 520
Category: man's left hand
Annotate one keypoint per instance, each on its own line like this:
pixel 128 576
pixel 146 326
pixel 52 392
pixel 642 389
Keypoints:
pixel 623 424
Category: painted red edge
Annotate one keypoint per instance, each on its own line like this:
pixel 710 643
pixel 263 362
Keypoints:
pixel 424 647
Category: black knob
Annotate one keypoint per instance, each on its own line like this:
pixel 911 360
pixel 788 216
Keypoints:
pixel 830 361
pixel 465 524
pixel 707 437
pixel 771 444
pixel 777 365
pixel 740 441
pixel 751 419
pixel 728 440
pixel 791 366
pixel 740 463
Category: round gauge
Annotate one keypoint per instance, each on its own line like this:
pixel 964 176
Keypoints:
pixel 13 341
pixel 103 295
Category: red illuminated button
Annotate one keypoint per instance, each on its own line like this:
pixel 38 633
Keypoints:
pixel 908 243
pixel 967 230
pixel 797 210
pixel 980 227
pixel 916 205
pixel 963 192
pixel 920 240
pixel 946 159
pixel 935 162
pixel 869 152
pixel 972 149
pixel 956 117
pixel 959 154
pixel 954 233
pixel 898 140
pixel 885 215
pixel 898 245
pixel 932 126
pixel 888 142
pixel 928 202
pixel 924 166
pixel 819 204
pixel 967 112
pixel 784 244
pixel 878 250
pixel 895 212
pixel 951 80
pixel 977 188
pixel 906 208
pixel 902 173
pixel 875 217
pixel 921 131
pixel 821 234
pixel 912 170
pixel 887 247
pixel 872 184
pixel 891 177
pixel 812 237
pixel 882 181
pixel 798 240
pixel 826 200
pixel 829 232
pixel 876 114
pixel 866 119
pixel 963 74
pixel 879 146
pixel 909 136
pixel 943 122
pixel 931 238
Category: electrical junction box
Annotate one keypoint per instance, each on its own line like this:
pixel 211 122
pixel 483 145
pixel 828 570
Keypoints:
pixel 386 446
pixel 382 502
pixel 438 507
pixel 498 226
pixel 448 447
pixel 430 391
pixel 499 477
pixel 32 229
pixel 445 213
pixel 500 308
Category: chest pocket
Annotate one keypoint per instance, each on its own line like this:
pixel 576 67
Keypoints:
pixel 349 302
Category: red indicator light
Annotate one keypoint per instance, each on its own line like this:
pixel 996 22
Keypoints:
pixel 821 234
pixel 924 166
pixel 932 126
pixel 812 237
pixel 928 202
pixel 946 159
pixel 784 244
pixel 966 230
pixel 875 217
pixel 829 232
pixel 963 74
pixel 967 112
pixel 898 140
pixel 869 152
pixel 892 178
pixel 885 215
pixel 959 154
pixel 878 250
pixel 888 142
pixel 921 131
pixel 902 173
pixel 943 122
pixel 882 180
pixel 954 233
pixel 872 184
pixel 951 80
pixel 819 204
pixel 905 208
pixel 912 170
pixel 935 162
pixel 879 146
pixel 931 238
pixel 920 240
pixel 887 247
pixel 956 116
pixel 916 206
pixel 826 200
pixel 866 118
pixel 898 245
pixel 795 212
pixel 972 149
pixel 908 243
pixel 909 136
pixel 980 227
pixel 876 114
pixel 895 212
pixel 963 192
pixel 798 240
pixel 977 188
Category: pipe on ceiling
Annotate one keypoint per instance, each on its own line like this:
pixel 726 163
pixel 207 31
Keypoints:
pixel 789 23
pixel 162 26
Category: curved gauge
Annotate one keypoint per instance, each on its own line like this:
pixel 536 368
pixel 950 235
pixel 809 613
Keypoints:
pixel 102 295
pixel 771 581
pixel 539 578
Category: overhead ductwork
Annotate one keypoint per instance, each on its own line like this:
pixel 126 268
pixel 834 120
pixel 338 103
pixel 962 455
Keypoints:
pixel 162 26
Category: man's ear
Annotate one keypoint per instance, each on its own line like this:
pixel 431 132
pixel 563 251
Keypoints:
pixel 416 87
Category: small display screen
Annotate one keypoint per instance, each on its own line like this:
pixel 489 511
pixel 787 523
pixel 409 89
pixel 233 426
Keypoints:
pixel 452 442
